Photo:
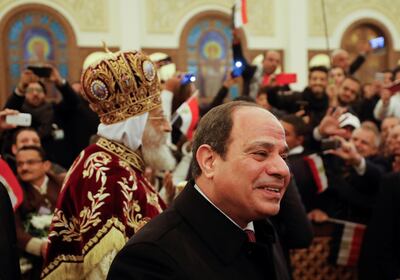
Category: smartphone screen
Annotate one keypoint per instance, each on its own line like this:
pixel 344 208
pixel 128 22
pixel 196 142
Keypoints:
pixel 377 43
pixel 237 70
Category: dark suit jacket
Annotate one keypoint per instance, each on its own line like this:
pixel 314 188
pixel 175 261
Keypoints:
pixel 9 264
pixel 193 240
pixel 380 254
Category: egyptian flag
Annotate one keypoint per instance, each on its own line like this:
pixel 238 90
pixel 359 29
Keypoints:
pixel 239 13
pixel 345 245
pixel 187 116
pixel 8 179
pixel 316 165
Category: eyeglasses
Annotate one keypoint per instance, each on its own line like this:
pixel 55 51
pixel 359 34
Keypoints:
pixel 38 89
pixel 28 162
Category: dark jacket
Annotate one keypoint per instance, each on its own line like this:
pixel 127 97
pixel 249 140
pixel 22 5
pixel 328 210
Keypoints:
pixel 380 253
pixel 193 240
pixel 9 263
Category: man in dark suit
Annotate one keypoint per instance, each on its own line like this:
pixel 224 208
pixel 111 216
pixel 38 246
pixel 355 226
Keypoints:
pixel 9 265
pixel 240 177
pixel 34 215
pixel 380 254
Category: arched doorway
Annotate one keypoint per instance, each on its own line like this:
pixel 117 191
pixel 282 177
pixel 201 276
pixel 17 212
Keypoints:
pixel 35 34
pixel 360 33
pixel 206 51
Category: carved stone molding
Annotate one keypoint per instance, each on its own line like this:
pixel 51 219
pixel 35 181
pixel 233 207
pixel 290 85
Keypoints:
pixel 90 15
pixel 162 16
pixel 336 10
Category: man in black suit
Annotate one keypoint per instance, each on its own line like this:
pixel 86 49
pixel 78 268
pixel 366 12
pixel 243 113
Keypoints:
pixel 240 177
pixel 9 264
pixel 380 254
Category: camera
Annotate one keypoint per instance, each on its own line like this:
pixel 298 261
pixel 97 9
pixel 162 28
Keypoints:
pixel 330 144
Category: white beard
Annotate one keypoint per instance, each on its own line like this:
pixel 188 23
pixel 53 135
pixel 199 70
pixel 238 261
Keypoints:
pixel 156 153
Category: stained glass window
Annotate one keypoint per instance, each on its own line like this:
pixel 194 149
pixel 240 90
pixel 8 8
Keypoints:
pixel 35 38
pixel 209 54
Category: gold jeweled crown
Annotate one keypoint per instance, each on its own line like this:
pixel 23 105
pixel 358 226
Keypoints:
pixel 121 85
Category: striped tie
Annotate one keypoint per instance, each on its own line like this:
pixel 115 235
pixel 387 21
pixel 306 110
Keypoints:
pixel 250 235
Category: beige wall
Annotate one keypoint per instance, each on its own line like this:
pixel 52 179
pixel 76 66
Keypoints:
pixel 293 26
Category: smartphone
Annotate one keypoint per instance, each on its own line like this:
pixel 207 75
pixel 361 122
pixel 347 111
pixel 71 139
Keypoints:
pixel 237 70
pixel 330 144
pixel 286 78
pixel 187 79
pixel 21 119
pixel 40 71
pixel 377 43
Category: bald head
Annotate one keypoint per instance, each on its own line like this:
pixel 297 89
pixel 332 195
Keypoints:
pixel 340 58
pixel 272 59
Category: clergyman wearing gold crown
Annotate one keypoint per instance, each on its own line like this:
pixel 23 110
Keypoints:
pixel 105 198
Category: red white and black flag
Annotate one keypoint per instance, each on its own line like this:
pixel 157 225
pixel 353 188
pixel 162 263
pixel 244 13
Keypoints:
pixel 346 242
pixel 239 13
pixel 8 179
pixel 316 164
pixel 187 116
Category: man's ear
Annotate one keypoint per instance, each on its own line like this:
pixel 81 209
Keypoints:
pixel 47 165
pixel 14 149
pixel 300 140
pixel 206 159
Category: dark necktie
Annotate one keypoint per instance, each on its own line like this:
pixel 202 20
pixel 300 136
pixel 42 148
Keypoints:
pixel 250 235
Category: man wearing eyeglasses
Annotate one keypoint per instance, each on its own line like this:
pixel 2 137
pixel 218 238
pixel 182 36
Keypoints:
pixel 48 117
pixel 34 215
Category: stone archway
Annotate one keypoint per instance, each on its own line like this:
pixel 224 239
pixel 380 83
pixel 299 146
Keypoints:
pixel 33 34
pixel 360 33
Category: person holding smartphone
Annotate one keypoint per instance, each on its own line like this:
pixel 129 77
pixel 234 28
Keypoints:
pixel 254 75
pixel 341 58
pixel 47 117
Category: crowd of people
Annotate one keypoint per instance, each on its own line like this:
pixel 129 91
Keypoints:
pixel 110 162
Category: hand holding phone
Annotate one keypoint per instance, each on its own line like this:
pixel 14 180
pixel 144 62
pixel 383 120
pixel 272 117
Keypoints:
pixel 20 119
pixel 27 77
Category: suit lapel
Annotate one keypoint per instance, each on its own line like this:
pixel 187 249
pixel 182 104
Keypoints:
pixel 224 238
